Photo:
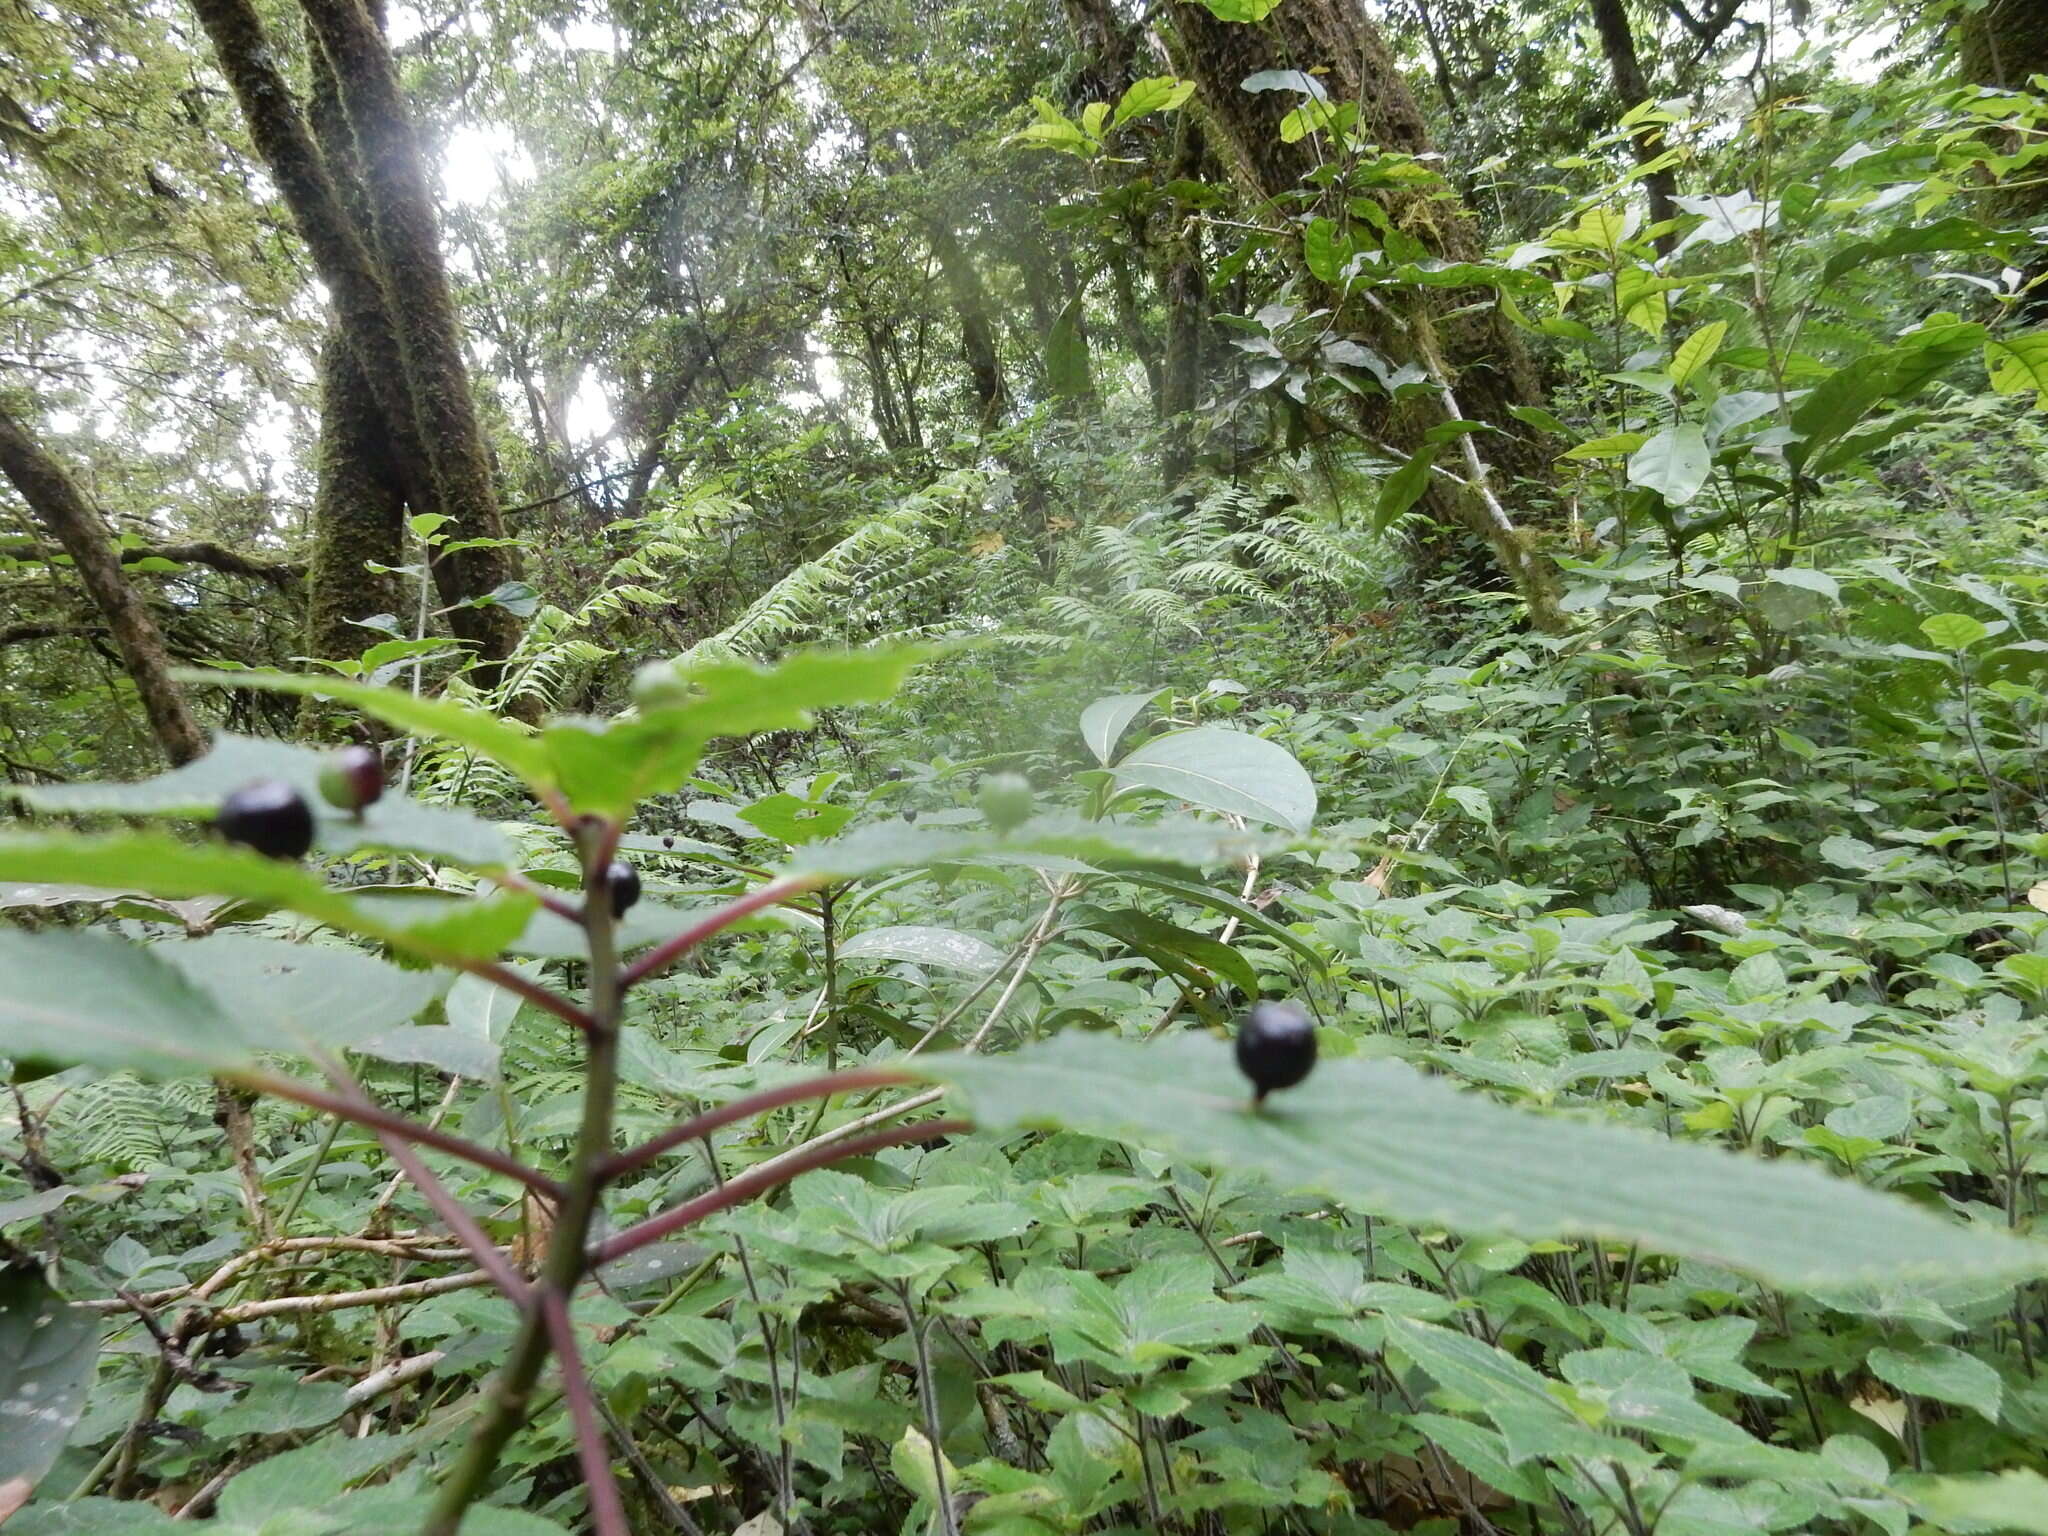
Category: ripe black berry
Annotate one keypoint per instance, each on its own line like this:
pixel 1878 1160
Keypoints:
pixel 352 779
pixel 668 842
pixel 269 816
pixel 1276 1047
pixel 623 881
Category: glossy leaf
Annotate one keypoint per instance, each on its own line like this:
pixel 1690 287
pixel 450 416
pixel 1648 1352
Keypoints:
pixel 923 945
pixel 1104 722
pixel 1228 771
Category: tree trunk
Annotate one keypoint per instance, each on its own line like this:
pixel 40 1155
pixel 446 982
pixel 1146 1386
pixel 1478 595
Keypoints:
pixel 1469 347
pixel 970 305
pixel 406 236
pixel 61 506
pixel 358 512
pixel 396 318
pixel 1184 284
pixel 1625 69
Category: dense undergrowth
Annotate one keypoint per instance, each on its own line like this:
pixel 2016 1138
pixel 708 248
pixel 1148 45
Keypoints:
pixel 349 1195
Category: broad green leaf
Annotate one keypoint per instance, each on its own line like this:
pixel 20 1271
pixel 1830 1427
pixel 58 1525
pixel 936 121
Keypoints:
pixel 924 946
pixel 2004 1501
pixel 1237 10
pixel 287 996
pixel 310 1476
pixel 607 767
pixel 1807 579
pixel 47 1354
pixel 1953 631
pixel 1224 770
pixel 1675 463
pixel 1058 837
pixel 443 719
pixel 1105 721
pixel 1324 250
pixel 1352 1131
pixel 198 787
pixel 1696 351
pixel 1156 93
pixel 442 929
pixel 1951 234
pixel 1618 445
pixel 95 999
pixel 790 820
pixel 1404 487
pixel 2018 364
pixel 1841 400
pixel 1942 1372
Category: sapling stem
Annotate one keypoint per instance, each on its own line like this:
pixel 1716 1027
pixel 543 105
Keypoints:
pixel 696 1129
pixel 665 954
pixel 744 1186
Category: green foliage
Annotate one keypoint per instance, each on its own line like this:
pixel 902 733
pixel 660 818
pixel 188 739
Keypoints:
pixel 1673 1160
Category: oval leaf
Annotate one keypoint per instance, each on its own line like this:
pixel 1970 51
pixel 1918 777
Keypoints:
pixel 1229 771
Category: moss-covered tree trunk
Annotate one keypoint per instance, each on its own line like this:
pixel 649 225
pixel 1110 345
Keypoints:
pixel 60 505
pixel 369 226
pixel 977 331
pixel 1481 365
pixel 406 238
pixel 358 512
pixel 1184 285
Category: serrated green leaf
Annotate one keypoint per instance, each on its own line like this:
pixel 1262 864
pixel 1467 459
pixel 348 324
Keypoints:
pixel 1953 631
pixel 442 929
pixel 1351 1133
pixel 921 944
pixel 197 788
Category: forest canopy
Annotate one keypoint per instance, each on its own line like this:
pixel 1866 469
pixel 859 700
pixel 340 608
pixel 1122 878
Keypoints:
pixel 1025 768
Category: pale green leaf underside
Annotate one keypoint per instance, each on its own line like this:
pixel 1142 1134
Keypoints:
pixel 1229 771
pixel 1387 1140
pixel 923 945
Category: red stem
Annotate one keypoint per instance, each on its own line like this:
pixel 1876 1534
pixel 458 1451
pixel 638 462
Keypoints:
pixel 487 1254
pixel 746 1185
pixel 523 986
pixel 561 906
pixel 607 1514
pixel 663 955
pixel 363 1112
pixel 703 1125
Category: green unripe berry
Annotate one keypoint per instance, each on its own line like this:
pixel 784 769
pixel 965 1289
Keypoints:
pixel 1006 800
pixel 352 779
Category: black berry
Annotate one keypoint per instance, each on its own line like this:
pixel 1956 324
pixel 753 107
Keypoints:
pixel 269 816
pixel 352 778
pixel 668 842
pixel 623 881
pixel 1276 1047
